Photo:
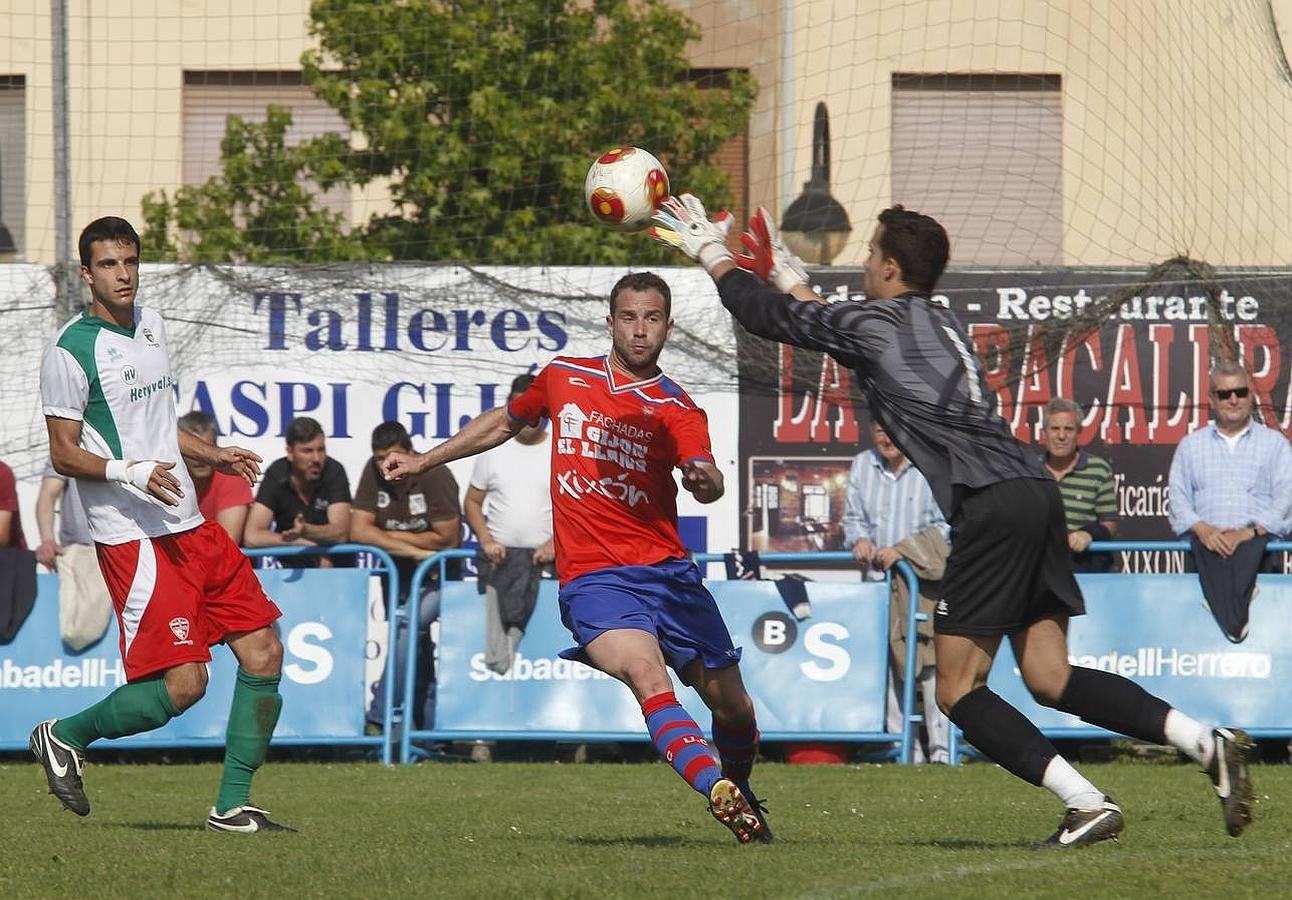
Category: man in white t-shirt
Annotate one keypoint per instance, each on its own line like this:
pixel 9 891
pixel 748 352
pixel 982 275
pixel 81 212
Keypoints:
pixel 509 507
pixel 84 607
pixel 178 583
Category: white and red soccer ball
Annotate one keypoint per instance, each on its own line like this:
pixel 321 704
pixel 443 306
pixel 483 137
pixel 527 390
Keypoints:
pixel 623 187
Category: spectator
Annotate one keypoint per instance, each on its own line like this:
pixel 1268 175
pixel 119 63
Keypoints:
pixel 10 522
pixel 221 497
pixel 305 496
pixel 412 520
pixel 1085 483
pixel 17 563
pixel 84 605
pixel 509 508
pixel 889 501
pixel 1231 494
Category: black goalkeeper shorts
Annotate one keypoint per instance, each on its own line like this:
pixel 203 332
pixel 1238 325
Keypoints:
pixel 1009 563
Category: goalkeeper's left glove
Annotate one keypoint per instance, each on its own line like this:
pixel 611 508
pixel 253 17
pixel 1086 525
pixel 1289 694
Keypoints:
pixel 681 222
pixel 768 257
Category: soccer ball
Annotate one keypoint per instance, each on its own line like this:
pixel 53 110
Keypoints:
pixel 623 187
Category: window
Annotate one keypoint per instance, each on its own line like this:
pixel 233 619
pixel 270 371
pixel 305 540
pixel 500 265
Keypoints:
pixel 211 97
pixel 13 162
pixel 983 155
pixel 816 503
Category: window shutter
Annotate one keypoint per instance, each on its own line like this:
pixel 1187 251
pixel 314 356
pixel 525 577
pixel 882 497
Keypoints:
pixel 983 155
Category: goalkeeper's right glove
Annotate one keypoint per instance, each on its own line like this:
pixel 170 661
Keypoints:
pixel 681 222
pixel 768 257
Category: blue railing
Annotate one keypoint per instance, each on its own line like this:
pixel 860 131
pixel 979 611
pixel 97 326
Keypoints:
pixel 411 613
pixel 386 565
pixel 412 616
pixel 910 719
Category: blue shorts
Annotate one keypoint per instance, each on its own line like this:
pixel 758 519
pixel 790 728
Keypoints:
pixel 668 600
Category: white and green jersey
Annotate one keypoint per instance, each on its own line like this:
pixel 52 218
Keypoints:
pixel 117 382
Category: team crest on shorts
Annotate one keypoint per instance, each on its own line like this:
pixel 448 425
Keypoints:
pixel 179 628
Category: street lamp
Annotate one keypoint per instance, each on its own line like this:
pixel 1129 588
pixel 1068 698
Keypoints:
pixel 815 225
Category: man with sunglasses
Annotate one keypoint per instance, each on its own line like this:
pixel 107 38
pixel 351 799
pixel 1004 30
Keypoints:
pixel 1231 494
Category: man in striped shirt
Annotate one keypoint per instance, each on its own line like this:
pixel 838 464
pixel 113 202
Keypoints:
pixel 1086 483
pixel 1009 571
pixel 1231 494
pixel 887 501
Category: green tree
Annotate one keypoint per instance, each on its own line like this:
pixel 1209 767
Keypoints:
pixel 483 116
pixel 260 208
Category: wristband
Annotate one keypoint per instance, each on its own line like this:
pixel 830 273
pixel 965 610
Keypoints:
pixel 137 473
pixel 712 254
pixel 140 472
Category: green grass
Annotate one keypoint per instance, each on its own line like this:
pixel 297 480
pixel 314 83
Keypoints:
pixel 529 830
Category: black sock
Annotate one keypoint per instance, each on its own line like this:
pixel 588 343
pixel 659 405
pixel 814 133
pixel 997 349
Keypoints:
pixel 1004 734
pixel 1116 703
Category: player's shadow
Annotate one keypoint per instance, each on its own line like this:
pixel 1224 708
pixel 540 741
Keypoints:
pixel 159 826
pixel 645 840
pixel 968 844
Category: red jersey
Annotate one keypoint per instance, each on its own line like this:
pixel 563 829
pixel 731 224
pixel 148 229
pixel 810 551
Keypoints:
pixel 615 443
pixel 220 492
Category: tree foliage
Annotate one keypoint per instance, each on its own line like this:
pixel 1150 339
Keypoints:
pixel 260 208
pixel 481 118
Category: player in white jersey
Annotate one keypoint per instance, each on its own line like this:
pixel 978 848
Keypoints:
pixel 178 583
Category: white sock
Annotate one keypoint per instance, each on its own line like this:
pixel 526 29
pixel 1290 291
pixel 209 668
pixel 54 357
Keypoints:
pixel 1189 736
pixel 1070 786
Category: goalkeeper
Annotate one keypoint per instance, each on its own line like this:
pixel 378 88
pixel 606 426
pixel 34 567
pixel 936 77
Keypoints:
pixel 1009 572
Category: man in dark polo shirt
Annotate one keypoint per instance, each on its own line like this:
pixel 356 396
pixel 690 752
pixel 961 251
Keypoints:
pixel 1086 483
pixel 303 500
pixel 410 519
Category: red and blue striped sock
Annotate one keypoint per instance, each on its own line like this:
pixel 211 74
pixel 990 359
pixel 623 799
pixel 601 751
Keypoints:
pixel 679 740
pixel 737 748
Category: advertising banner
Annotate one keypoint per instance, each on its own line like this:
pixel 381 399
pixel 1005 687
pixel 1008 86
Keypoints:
pixel 323 633
pixel 1132 347
pixel 355 345
pixel 1156 630
pixel 824 674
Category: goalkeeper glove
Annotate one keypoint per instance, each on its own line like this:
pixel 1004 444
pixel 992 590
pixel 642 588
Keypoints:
pixel 768 257
pixel 681 222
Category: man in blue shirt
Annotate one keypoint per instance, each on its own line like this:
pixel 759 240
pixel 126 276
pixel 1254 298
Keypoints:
pixel 1231 494
pixel 888 500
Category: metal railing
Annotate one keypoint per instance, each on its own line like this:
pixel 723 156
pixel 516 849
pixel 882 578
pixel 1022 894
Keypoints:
pixel 411 613
pixel 387 567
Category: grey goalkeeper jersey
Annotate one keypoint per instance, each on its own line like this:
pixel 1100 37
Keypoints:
pixel 917 369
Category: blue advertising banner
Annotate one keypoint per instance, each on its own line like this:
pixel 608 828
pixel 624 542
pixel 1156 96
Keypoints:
pixel 825 674
pixel 1156 630
pixel 323 630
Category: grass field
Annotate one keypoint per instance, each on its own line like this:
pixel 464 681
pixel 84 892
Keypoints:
pixel 607 830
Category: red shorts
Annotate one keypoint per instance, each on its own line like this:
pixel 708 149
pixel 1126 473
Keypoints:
pixel 178 594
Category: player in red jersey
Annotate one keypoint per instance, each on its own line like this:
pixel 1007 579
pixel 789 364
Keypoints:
pixel 630 597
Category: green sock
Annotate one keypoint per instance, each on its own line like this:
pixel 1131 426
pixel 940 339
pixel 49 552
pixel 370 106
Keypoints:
pixel 130 709
pixel 256 704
